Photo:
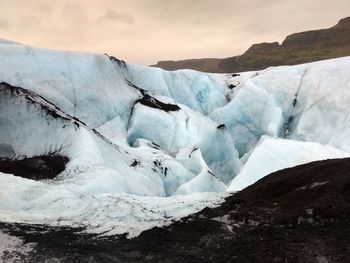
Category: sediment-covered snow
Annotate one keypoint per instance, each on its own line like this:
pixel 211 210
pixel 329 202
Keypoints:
pixel 12 249
pixel 145 145
pixel 110 212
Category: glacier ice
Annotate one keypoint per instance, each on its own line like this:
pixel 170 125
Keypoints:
pixel 176 129
pixel 273 154
pixel 145 145
pixel 205 180
pixel 201 92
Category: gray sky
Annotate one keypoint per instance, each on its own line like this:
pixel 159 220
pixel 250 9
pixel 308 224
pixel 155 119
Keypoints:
pixel 145 31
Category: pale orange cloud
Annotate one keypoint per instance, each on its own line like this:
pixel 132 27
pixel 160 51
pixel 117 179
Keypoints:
pixel 145 31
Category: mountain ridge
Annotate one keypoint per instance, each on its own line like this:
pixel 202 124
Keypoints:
pixel 297 48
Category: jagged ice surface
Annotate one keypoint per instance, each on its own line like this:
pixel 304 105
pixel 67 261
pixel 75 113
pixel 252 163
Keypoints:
pixel 146 146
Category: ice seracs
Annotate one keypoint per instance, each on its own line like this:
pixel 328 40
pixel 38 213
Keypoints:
pixel 175 127
pixel 205 180
pixel 199 91
pixel 322 108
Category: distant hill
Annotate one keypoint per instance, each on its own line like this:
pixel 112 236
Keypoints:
pixel 295 49
pixel 201 64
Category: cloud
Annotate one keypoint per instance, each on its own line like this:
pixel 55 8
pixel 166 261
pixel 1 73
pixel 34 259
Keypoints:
pixel 44 8
pixel 29 25
pixel 111 15
pixel 4 24
pixel 75 16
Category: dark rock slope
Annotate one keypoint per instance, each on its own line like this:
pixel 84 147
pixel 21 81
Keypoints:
pixel 297 48
pixel 301 214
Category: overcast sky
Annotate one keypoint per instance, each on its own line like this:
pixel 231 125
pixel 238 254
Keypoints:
pixel 145 31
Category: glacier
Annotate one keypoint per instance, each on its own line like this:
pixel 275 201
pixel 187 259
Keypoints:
pixel 146 146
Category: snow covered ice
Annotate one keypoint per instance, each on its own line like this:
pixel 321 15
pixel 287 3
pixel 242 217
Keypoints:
pixel 273 154
pixel 146 146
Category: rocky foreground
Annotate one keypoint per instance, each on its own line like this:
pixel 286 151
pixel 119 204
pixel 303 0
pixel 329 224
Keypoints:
pixel 299 214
